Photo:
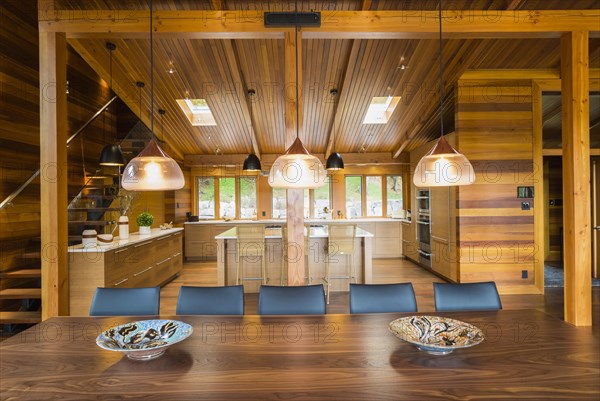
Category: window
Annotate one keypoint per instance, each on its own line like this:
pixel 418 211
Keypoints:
pixel 197 112
pixel 279 203
pixel 227 197
pixel 353 196
pixel 206 197
pixel 321 200
pixel 393 192
pixel 374 196
pixel 219 197
pixel 380 110
pixel 247 197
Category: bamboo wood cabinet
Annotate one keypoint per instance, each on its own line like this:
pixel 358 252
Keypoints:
pixel 142 261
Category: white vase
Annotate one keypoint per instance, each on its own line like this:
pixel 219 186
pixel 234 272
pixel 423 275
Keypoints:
pixel 145 230
pixel 123 227
pixel 88 237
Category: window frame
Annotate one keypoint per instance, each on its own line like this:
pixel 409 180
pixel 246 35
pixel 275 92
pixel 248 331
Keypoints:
pixel 363 189
pixel 217 188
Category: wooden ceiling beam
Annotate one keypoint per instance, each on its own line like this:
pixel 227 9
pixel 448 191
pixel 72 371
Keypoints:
pixel 403 24
pixel 242 90
pixel 379 158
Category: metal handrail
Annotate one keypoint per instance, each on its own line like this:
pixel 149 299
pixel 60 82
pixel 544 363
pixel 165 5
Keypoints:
pixel 17 191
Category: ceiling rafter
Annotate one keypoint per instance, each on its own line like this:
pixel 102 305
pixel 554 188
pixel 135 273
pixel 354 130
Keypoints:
pixel 241 89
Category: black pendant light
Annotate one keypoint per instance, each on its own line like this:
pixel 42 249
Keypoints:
pixel 252 162
pixel 111 154
pixel 334 161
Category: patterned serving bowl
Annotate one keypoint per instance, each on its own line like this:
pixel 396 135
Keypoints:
pixel 436 335
pixel 145 339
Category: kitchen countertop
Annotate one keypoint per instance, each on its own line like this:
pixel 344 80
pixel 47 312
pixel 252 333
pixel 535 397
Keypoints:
pixel 315 232
pixel 134 238
pixel 307 221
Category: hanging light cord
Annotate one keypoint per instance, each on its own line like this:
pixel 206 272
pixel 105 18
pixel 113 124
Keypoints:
pixel 251 93
pixel 151 78
pixel 297 83
pixel 441 77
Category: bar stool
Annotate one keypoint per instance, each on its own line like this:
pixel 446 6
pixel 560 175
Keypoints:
pixel 341 242
pixel 284 255
pixel 250 244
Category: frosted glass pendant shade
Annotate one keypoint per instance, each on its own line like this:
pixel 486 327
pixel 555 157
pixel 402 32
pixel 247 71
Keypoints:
pixel 297 168
pixel 152 170
pixel 443 166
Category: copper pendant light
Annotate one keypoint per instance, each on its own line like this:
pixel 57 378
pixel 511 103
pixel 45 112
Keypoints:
pixel 152 169
pixel 443 166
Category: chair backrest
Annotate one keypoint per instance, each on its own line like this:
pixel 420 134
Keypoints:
pixel 341 238
pixel 466 297
pixel 126 301
pixel 211 300
pixel 380 298
pixel 293 300
pixel 250 240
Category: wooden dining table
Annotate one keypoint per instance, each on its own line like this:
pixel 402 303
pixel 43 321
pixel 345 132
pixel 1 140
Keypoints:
pixel 526 354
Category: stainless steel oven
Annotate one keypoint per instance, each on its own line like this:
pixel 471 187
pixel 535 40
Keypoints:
pixel 424 232
pixel 424 227
pixel 423 200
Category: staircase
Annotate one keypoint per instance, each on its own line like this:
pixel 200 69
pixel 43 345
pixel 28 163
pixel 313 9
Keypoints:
pixel 97 206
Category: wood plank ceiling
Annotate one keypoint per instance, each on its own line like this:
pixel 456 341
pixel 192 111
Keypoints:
pixel 221 71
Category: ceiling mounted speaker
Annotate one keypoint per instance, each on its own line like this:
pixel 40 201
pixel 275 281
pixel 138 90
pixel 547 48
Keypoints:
pixel 292 19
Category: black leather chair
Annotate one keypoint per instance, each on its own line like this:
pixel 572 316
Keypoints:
pixel 380 298
pixel 211 300
pixel 126 301
pixel 466 297
pixel 293 300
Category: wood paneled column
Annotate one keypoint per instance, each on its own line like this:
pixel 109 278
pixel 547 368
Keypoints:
pixel 53 175
pixel 576 177
pixel 295 197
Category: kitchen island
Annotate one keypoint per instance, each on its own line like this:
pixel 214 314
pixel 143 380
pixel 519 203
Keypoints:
pixel 315 258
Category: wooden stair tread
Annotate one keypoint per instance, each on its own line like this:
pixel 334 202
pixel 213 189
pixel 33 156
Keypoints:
pixel 22 273
pixel 89 223
pixel 26 317
pixel 31 255
pixel 95 209
pixel 21 293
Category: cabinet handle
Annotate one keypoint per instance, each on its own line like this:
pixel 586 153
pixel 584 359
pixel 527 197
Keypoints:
pixel 120 282
pixel 162 238
pixel 166 260
pixel 142 272
pixel 122 250
pixel 177 254
pixel 142 244
pixel 177 234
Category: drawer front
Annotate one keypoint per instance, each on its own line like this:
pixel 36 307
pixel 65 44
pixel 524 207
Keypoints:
pixel 163 270
pixel 120 282
pixel 161 246
pixel 117 264
pixel 200 249
pixel 143 276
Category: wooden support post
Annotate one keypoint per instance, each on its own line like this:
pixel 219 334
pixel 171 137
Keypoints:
pixel 295 197
pixel 540 201
pixel 53 176
pixel 576 177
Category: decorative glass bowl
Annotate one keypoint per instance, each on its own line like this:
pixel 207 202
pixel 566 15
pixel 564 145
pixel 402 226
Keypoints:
pixel 436 335
pixel 145 339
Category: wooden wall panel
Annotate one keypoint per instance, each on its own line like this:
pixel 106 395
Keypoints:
pixel 20 133
pixel 496 237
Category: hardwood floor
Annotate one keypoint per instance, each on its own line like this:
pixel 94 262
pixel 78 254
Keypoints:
pixel 384 271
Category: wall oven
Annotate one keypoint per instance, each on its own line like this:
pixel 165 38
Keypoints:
pixel 424 227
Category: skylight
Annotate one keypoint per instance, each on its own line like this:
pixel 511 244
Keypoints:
pixel 197 112
pixel 381 109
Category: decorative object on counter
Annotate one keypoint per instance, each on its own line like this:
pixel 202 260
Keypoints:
pixel 144 340
pixel 297 168
pixel 166 226
pixel 443 166
pixel 252 162
pixel 123 227
pixel 105 239
pixel 144 222
pixel 152 169
pixel 89 237
pixel 436 335
pixel 334 161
